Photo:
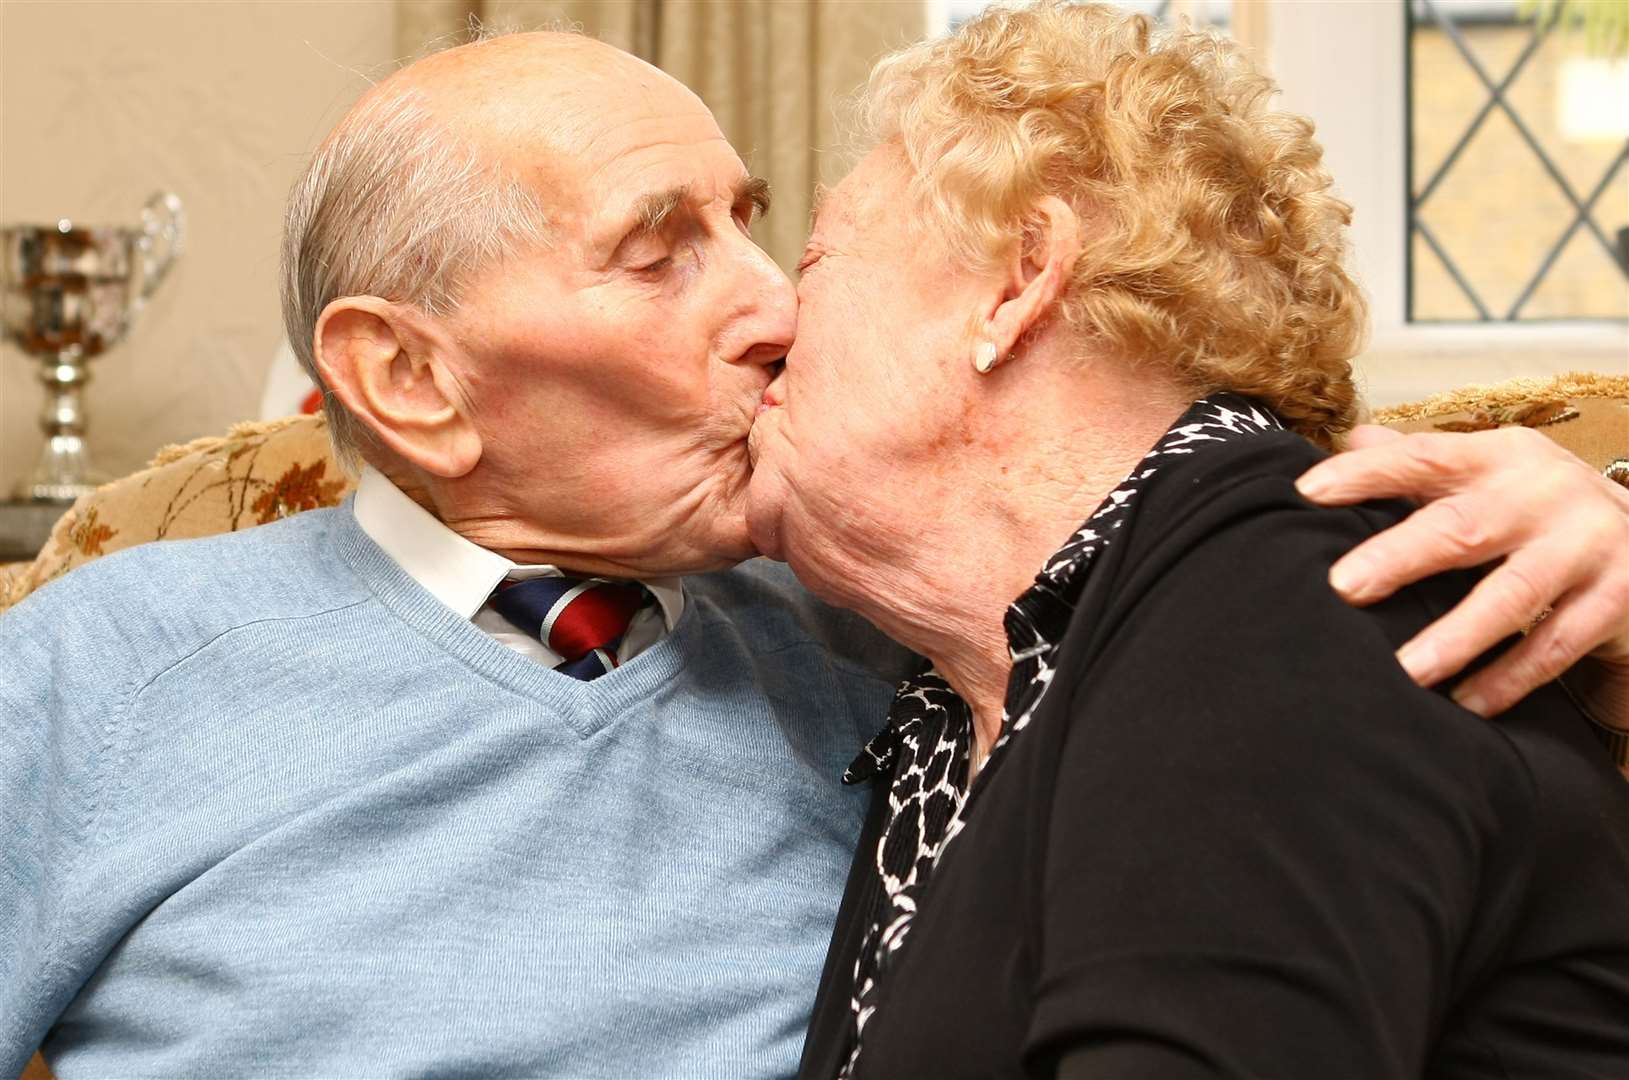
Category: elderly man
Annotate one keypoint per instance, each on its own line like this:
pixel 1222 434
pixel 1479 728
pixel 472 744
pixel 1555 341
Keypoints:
pixel 459 779
pixel 309 800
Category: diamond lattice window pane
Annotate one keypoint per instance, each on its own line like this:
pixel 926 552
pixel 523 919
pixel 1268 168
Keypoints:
pixel 1519 140
pixel 1494 247
pixel 1432 279
pixel 1584 279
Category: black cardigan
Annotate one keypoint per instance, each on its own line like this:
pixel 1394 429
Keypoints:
pixel 1236 840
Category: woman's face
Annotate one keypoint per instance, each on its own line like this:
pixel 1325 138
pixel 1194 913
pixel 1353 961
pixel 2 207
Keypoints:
pixel 878 388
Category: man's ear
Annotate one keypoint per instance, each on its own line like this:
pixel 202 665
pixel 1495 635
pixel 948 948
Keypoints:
pixel 388 365
pixel 1037 274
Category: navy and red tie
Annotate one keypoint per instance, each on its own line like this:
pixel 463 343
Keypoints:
pixel 582 619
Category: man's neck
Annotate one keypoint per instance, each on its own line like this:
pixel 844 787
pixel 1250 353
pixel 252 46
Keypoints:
pixel 459 505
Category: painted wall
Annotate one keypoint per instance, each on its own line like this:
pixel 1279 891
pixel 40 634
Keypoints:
pixel 220 101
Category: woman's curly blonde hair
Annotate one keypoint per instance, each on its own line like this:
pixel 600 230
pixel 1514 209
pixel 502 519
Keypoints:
pixel 1213 243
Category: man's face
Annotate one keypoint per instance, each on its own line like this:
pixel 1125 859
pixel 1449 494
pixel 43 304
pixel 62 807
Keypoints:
pixel 614 376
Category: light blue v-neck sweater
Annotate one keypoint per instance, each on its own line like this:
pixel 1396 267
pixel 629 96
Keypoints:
pixel 268 809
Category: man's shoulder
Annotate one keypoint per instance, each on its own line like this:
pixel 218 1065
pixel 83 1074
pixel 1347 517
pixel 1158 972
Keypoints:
pixel 290 561
pixel 170 596
pixel 764 601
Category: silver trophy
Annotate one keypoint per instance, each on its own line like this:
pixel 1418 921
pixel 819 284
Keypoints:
pixel 68 294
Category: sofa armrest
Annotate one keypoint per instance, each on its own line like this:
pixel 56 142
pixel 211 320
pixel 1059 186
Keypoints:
pixel 256 473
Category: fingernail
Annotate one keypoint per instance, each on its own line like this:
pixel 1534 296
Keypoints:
pixel 1312 485
pixel 1419 659
pixel 1347 577
pixel 1472 700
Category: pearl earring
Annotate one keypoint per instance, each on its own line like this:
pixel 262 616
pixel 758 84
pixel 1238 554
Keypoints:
pixel 984 357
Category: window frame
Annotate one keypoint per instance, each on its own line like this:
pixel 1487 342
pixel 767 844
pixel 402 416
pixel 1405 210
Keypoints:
pixel 1344 65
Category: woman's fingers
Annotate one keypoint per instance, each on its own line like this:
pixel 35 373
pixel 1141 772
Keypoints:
pixel 1577 570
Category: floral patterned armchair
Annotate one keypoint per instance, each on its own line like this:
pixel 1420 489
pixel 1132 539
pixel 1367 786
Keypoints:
pixel 257 473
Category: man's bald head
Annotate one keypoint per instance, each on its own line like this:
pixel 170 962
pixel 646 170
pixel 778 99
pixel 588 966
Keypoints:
pixel 511 91
pixel 447 166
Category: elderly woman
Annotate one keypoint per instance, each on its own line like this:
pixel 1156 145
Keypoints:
pixel 1069 334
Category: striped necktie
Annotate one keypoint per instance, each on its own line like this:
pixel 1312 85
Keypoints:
pixel 581 619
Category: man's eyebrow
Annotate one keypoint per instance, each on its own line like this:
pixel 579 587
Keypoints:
pixel 652 211
pixel 753 189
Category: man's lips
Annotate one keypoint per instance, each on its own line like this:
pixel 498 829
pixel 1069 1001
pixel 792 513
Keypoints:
pixel 773 395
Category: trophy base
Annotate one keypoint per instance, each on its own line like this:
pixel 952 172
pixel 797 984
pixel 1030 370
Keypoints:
pixel 54 494
pixel 63 473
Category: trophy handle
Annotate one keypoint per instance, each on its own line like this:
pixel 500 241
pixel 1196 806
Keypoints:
pixel 164 232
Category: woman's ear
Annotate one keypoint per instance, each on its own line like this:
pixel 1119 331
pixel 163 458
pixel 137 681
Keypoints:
pixel 1037 274
pixel 389 366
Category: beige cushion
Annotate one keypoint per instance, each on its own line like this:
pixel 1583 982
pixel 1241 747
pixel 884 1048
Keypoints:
pixel 257 473
pixel 1584 412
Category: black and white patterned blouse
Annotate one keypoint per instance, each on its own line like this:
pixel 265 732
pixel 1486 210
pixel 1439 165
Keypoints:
pixel 928 736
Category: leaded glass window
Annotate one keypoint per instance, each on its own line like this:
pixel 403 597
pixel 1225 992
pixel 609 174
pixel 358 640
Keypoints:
pixel 1518 140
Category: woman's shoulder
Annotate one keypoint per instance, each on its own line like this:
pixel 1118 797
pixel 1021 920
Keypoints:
pixel 1233 509
pixel 1223 698
pixel 1219 601
pixel 1237 475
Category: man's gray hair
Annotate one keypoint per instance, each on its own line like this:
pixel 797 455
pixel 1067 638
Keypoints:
pixel 394 205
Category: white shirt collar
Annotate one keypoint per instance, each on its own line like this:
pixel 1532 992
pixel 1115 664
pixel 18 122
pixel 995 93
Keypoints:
pixel 456 571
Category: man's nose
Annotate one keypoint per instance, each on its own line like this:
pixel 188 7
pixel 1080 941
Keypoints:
pixel 769 313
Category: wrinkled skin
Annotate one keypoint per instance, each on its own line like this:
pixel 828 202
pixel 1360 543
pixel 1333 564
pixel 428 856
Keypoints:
pixel 588 402
pixel 842 441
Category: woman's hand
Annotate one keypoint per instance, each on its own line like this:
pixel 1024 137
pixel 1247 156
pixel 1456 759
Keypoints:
pixel 1561 529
